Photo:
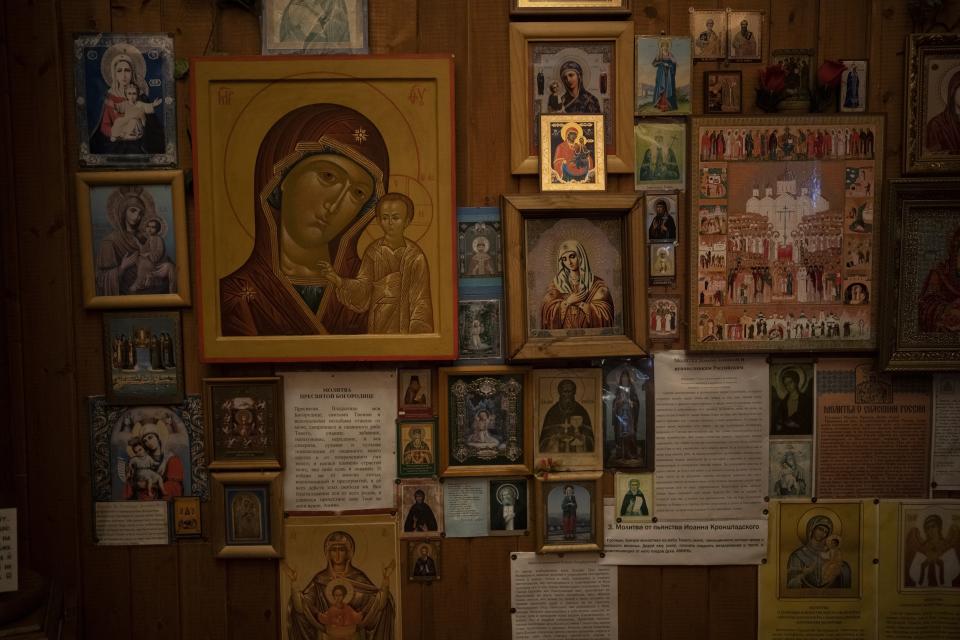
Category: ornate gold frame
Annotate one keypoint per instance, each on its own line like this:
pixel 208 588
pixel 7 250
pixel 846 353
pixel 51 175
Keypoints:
pixel 630 209
pixel 173 178
pixel 263 462
pixel 521 117
pixel 274 481
pixel 543 483
pixel 920 45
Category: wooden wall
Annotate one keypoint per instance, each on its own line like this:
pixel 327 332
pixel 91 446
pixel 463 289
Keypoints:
pixel 53 353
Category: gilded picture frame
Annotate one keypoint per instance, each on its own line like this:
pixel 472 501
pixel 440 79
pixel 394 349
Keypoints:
pixel 247 509
pixel 601 53
pixel 921 236
pixel 572 156
pixel 244 423
pixel 568 418
pixel 121 267
pixel 484 412
pixel 554 531
pixel 282 121
pixel 580 8
pixel 417 448
pixel 609 230
pixel 929 133
pixel 779 272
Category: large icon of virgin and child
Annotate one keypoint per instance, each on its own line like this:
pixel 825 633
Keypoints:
pixel 348 228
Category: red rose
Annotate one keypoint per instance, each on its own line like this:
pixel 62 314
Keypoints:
pixel 773 78
pixel 829 73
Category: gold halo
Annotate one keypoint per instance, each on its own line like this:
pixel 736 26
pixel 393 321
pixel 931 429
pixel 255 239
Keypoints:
pixel 120 194
pixel 127 49
pixel 836 527
pixel 571 126
pixel 328 590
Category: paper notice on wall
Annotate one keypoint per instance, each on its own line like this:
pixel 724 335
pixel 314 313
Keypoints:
pixel 873 431
pixel 819 581
pixel 340 440
pixel 8 550
pixel 465 507
pixel 712 426
pixel 945 454
pixel 682 541
pixel 562 598
pixel 132 523
pixel 919 570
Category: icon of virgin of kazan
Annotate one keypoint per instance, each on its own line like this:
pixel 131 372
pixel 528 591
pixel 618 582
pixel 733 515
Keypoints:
pixel 320 172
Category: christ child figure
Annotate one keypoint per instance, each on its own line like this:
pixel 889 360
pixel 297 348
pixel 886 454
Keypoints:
pixel 129 126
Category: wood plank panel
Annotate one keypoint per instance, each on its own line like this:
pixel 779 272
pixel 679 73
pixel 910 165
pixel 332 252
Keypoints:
pixel 135 15
pixel 639 602
pixel 393 26
pixel 684 602
pixel 155 592
pixel 850 18
pixel 106 593
pixel 45 295
pixel 252 597
pixel 885 71
pixel 203 582
pixel 449 35
pixel 793 24
pixel 733 612
pixel 488 102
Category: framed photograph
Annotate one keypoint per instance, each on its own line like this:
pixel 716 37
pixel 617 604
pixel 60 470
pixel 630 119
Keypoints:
pixel 722 92
pixel 783 240
pixel 660 149
pixel 570 68
pixel 932 128
pixel 416 448
pixel 797 65
pixel 928 547
pixel 483 414
pixel 708 31
pixel 147 452
pixel 574 275
pixel 853 86
pixel 144 357
pixel 187 522
pixel 125 100
pixel 609 8
pixel 341 566
pixel 662 84
pixel 480 248
pixel 744 35
pixel 820 550
pixel 921 275
pixel 481 325
pixel 421 507
pixel 792 398
pixel 571 153
pixel 509 507
pixel 634 497
pixel 314 26
pixel 569 512
pixel 133 239
pixel 247 514
pixel 661 220
pixel 312 127
pixel 664 313
pixel 415 392
pixel 628 415
pixel 567 418
pixel 663 263
pixel 244 422
pixel 423 560
pixel 791 468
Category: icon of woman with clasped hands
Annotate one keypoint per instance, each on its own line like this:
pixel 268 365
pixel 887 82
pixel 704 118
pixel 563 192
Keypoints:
pixel 576 299
pixel 319 174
